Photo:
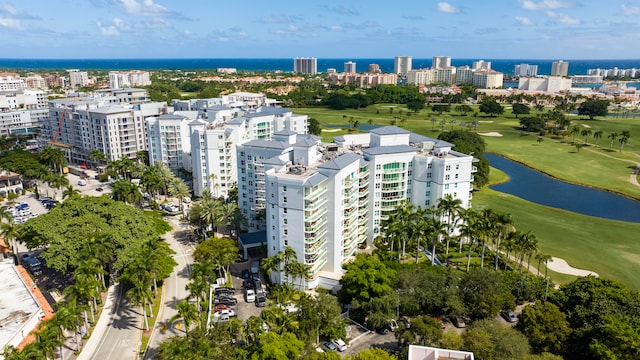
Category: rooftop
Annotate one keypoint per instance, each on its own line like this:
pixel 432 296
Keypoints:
pixel 17 304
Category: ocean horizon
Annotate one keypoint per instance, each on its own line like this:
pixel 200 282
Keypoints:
pixel 576 67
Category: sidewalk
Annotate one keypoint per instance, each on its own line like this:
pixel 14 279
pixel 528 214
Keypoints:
pixel 101 326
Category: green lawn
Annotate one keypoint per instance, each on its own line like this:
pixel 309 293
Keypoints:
pixel 605 246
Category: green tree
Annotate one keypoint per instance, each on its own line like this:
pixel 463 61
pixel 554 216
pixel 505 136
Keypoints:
pixel 468 142
pixel 613 136
pixel 372 354
pixel 366 277
pixel 520 109
pixel 313 127
pixel 9 232
pixel 483 293
pixel 545 326
pixel 593 108
pixel 278 347
pixel 597 135
pixel 70 191
pixel 488 339
pixel 532 124
pixel 490 107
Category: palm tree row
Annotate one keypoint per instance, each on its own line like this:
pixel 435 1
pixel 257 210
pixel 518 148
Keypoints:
pixel 209 213
pixel 446 222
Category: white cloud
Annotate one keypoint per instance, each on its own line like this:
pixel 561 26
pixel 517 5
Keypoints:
pixel 545 4
pixel 563 19
pixel 630 9
pixel 107 30
pixel 523 20
pixel 447 8
pixel 143 8
pixel 8 8
pixel 187 32
pixel 10 23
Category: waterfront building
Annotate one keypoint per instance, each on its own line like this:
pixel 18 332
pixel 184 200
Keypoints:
pixel 350 67
pixel 586 79
pixel 553 84
pixel 443 75
pixel 417 77
pixel 488 79
pixel 481 65
pixel 464 75
pixel 127 79
pixel 402 65
pixel 525 70
pixel 78 78
pixel 305 65
pixel 331 71
pixel 324 200
pixel 559 68
pixel 441 62
pixel 363 80
pixel 374 68
pixel 227 70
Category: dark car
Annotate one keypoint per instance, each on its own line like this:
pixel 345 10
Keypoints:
pixel 405 322
pixel 383 330
pixel 99 189
pixel 245 274
pixel 257 285
pixel 225 300
pixel 225 291
pixel 458 322
pixel 261 300
pixel 247 284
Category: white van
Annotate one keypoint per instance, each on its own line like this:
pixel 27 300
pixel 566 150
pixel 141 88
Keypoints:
pixel 250 295
pixel 82 182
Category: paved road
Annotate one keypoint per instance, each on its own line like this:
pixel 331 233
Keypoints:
pixel 121 337
pixel 175 286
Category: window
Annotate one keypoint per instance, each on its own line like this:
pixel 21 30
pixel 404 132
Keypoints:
pixel 285 221
pixel 284 210
pixel 446 186
pixel 427 202
pixel 377 186
pixel 428 193
pixel 284 199
pixel 286 232
pixel 428 184
pixel 429 166
pixel 286 242
pixel 456 176
pixel 447 168
pixel 457 166
pixel 447 177
pixel 284 188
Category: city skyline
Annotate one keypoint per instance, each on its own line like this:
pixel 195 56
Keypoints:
pixel 535 29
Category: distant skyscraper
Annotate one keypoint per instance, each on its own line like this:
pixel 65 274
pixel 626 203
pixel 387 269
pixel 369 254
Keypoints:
pixel 559 68
pixel 440 62
pixel 525 70
pixel 402 64
pixel 350 67
pixel 305 65
pixel 481 65
pixel 374 68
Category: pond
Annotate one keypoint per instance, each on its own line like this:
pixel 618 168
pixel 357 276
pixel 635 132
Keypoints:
pixel 539 188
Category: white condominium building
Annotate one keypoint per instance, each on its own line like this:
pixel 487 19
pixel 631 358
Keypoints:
pixel 552 84
pixel 559 68
pixel 402 64
pixel 350 67
pixel 488 79
pixel 305 65
pixel 120 79
pixel 525 70
pixel 481 65
pixel 80 125
pixel 78 78
pixel 324 200
pixel 464 75
pixel 440 62
pixel 10 83
pixel 168 139
pixel 214 141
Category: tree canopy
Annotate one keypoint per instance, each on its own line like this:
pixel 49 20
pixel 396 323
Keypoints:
pixel 593 108
pixel 470 142
pixel 491 107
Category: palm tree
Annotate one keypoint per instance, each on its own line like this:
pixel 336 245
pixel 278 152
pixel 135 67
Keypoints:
pixel 58 181
pixel 597 135
pixel 48 339
pixel 542 258
pixel 613 136
pixel 433 123
pixel 585 133
pixel 452 122
pixel 502 223
pixel 54 157
pixel 450 209
pixel 141 295
pixel 211 211
pixel 166 176
pixel 238 222
pixel 70 192
pixel 188 312
pixel 180 190
pixel 10 233
pixel 436 229
pixel 574 130
pixel 97 156
pixel 126 191
pixel 469 230
pixel 624 137
pixel 68 318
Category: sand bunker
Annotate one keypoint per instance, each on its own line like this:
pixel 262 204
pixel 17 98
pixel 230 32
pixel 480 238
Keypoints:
pixel 561 266
pixel 585 125
pixel 493 133
pixel 331 130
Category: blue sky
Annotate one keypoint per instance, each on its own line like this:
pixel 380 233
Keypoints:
pixel 522 29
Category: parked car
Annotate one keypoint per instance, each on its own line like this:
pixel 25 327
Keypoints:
pixel 458 322
pixel 99 189
pixel 328 345
pixel 261 300
pixel 257 285
pixel 225 300
pixel 340 344
pixel 82 182
pixel 250 296
pixel 508 315
pixel 221 307
pixel 255 267
pixel 227 312
pixel 393 325
pixel 225 291
pixel 383 330
pixel 245 274
pixel 404 321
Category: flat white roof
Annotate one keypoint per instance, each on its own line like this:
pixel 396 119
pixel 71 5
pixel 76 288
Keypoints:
pixel 17 305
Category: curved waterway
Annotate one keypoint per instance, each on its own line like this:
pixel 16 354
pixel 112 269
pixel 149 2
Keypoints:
pixel 539 188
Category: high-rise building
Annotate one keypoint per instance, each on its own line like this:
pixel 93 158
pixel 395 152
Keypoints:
pixel 374 68
pixel 481 65
pixel 440 62
pixel 168 139
pixel 305 65
pixel 402 64
pixel 525 70
pixel 464 75
pixel 488 79
pixel 122 79
pixel 350 67
pixel 325 200
pixel 559 68
pixel 78 78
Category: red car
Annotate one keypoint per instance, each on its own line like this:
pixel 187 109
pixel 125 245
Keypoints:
pixel 221 307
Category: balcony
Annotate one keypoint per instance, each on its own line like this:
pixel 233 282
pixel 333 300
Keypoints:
pixel 474 169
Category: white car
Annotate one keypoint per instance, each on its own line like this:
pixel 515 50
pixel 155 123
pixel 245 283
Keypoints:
pixel 19 220
pixel 250 296
pixel 340 344
pixel 223 313
pixel 82 182
pixel 24 212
